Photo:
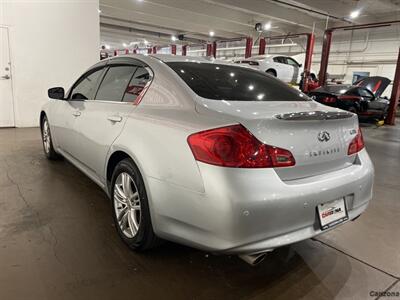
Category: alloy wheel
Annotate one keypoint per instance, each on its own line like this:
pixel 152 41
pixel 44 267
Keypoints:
pixel 127 204
pixel 46 136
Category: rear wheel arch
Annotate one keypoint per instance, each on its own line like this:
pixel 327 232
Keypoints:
pixel 113 161
pixel 115 158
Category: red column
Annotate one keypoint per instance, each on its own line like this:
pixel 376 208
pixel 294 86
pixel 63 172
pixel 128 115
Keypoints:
pixel 307 61
pixel 154 49
pixel 115 52
pixel 134 51
pixel 126 51
pixel 148 50
pixel 326 47
pixel 184 50
pixel 394 99
pixel 214 49
pixel 263 44
pixel 209 50
pixel 173 49
pixel 249 47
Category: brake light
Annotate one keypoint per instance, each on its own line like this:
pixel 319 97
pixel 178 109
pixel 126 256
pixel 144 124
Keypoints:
pixel 234 146
pixel 329 99
pixel 357 144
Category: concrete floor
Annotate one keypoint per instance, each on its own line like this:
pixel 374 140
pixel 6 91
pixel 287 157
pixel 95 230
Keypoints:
pixel 57 241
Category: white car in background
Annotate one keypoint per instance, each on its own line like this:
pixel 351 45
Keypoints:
pixel 283 67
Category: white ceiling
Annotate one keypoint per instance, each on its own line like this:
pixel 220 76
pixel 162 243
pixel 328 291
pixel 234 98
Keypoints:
pixel 133 21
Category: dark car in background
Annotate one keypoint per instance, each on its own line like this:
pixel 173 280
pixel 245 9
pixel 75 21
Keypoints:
pixel 362 98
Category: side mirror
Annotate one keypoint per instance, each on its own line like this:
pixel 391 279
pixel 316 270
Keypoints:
pixel 56 93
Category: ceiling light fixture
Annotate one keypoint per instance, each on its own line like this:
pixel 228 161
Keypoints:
pixel 267 26
pixel 212 33
pixel 354 14
pixel 173 38
pixel 99 11
pixel 125 45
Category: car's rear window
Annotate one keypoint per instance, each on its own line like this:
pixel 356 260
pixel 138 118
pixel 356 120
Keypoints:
pixel 234 83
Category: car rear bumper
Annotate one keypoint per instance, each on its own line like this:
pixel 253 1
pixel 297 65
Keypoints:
pixel 253 210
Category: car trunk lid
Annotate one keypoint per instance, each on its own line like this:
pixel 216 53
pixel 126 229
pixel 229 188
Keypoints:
pixel 318 136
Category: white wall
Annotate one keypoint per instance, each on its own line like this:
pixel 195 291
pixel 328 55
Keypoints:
pixel 51 43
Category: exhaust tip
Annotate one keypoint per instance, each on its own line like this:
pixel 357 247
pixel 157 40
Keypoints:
pixel 253 259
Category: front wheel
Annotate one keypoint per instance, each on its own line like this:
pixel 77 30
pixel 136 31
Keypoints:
pixel 47 141
pixel 130 207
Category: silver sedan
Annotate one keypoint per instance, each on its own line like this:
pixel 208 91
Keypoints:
pixel 213 155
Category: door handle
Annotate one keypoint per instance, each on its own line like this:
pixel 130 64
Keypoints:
pixel 114 118
pixel 6 77
pixel 76 113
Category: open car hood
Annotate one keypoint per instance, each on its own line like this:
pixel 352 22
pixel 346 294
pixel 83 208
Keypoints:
pixel 375 84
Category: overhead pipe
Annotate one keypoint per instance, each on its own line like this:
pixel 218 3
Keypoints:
pixel 242 48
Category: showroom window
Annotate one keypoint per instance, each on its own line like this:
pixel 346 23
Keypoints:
pixel 115 82
pixel 85 88
pixel 137 84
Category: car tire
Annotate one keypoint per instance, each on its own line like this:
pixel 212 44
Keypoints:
pixel 271 72
pixel 47 141
pixel 130 207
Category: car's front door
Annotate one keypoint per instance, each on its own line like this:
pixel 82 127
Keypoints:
pixel 373 105
pixel 103 118
pixel 66 113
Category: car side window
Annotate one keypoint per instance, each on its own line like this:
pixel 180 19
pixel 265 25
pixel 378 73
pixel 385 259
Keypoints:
pixel 280 60
pixel 136 85
pixel 292 62
pixel 85 88
pixel 365 93
pixel 115 82
pixel 359 92
pixel 250 62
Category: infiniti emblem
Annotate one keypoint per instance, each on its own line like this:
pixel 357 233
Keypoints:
pixel 324 136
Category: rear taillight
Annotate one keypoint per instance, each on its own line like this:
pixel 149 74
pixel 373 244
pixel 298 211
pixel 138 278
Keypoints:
pixel 357 144
pixel 329 99
pixel 234 146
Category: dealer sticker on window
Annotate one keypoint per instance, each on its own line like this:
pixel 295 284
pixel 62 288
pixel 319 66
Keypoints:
pixel 332 213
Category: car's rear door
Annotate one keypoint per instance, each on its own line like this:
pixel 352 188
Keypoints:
pixel 103 118
pixel 294 70
pixel 283 71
